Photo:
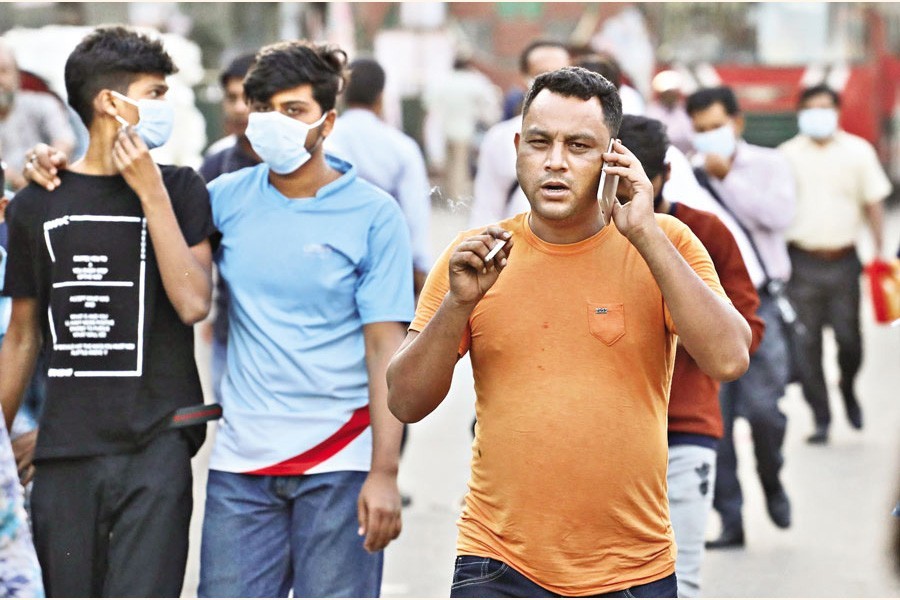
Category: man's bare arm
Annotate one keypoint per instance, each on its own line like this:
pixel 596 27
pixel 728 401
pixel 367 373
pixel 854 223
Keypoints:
pixel 18 355
pixel 421 372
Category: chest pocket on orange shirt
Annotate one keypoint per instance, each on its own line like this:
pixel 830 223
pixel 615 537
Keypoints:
pixel 606 321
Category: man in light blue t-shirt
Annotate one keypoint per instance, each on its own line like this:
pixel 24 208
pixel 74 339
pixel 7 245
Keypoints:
pixel 302 491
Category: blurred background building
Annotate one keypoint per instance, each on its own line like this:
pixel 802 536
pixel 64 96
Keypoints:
pixel 766 51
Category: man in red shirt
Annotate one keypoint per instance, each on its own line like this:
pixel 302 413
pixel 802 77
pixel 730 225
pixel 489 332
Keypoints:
pixel 695 420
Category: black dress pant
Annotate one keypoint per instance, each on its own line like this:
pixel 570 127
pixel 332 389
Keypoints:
pixel 826 293
pixel 115 525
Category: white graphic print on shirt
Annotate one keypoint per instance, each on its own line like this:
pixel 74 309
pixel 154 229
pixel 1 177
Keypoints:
pixel 98 294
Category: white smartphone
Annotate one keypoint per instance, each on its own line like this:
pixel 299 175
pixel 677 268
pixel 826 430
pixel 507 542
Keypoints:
pixel 606 191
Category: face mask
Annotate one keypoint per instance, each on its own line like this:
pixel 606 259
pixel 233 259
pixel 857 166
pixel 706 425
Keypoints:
pixel 818 123
pixel 280 140
pixel 720 141
pixel 156 120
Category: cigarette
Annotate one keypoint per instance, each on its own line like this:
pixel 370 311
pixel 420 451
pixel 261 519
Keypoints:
pixel 499 244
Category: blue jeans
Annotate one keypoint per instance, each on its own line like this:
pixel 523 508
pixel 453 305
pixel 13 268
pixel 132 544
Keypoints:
pixel 266 535
pixel 476 577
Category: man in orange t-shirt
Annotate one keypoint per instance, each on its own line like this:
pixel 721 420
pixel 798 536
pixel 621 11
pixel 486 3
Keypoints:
pixel 572 340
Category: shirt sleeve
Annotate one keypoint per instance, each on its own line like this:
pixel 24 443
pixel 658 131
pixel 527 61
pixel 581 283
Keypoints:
pixel 190 201
pixel 415 202
pixel 20 280
pixel 436 287
pixel 695 254
pixel 735 279
pixel 875 184
pixel 385 289
pixel 761 191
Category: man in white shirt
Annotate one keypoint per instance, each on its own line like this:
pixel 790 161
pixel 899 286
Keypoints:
pixel 496 191
pixel 385 157
pixel 462 100
pixel 755 185
pixel 27 118
pixel 840 184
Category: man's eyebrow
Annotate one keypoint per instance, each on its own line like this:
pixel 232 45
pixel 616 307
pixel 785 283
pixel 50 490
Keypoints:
pixel 578 135
pixel 533 130
pixel 581 135
pixel 296 102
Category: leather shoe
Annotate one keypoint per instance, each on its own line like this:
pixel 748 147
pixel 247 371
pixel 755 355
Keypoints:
pixel 729 538
pixel 779 507
pixel 820 436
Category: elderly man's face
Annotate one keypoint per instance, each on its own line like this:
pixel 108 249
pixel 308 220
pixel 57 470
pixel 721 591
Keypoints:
pixel 9 72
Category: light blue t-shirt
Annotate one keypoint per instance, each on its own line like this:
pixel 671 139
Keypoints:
pixel 304 276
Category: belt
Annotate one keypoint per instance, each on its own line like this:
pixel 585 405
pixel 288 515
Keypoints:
pixel 828 255
pixel 186 416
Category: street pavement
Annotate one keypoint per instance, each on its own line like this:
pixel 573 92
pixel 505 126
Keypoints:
pixel 842 493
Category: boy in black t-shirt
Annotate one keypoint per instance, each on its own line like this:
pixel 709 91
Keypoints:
pixel 110 272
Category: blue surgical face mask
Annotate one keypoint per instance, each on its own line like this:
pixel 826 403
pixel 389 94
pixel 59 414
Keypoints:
pixel 280 140
pixel 721 141
pixel 156 119
pixel 818 123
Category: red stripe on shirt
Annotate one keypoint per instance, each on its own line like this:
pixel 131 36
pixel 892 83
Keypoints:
pixel 318 454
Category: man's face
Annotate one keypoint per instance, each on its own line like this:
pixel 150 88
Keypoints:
pixel 234 108
pixel 149 86
pixel 559 155
pixel 544 59
pixel 9 73
pixel 715 116
pixel 298 103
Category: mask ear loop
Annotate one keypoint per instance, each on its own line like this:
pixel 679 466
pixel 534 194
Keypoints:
pixel 119 118
pixel 319 122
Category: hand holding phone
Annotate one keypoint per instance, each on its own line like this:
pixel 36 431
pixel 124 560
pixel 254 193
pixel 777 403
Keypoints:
pixel 606 191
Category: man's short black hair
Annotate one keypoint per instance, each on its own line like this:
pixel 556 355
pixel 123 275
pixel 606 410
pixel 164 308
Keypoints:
pixel 526 53
pixel 111 58
pixel 706 97
pixel 604 64
pixel 237 68
pixel 365 84
pixel 815 90
pixel 648 140
pixel 286 65
pixel 584 84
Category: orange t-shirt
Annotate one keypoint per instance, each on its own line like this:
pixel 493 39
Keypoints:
pixel 572 352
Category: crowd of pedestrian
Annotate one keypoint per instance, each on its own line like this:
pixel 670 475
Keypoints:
pixel 612 348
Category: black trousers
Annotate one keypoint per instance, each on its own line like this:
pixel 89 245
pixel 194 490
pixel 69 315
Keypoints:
pixel 826 293
pixel 115 525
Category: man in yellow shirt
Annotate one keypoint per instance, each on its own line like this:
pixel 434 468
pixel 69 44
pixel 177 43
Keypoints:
pixel 840 185
pixel 572 339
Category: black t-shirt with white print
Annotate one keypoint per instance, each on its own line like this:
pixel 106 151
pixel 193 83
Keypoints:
pixel 120 359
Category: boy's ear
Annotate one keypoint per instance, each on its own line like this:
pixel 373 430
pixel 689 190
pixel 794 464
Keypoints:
pixel 104 104
pixel 328 124
pixel 4 202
